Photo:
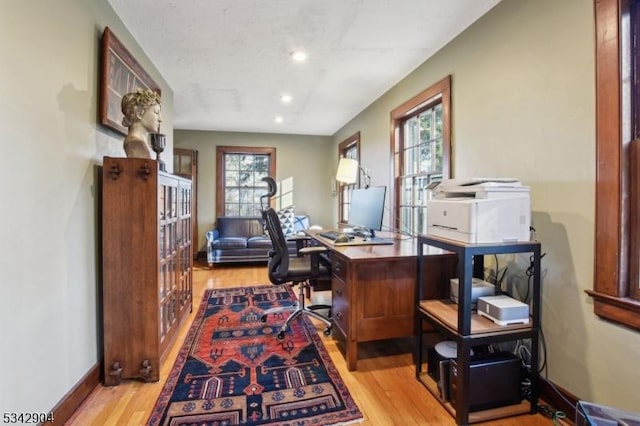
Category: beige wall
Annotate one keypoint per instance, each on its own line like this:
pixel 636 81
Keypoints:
pixel 308 159
pixel 50 146
pixel 523 106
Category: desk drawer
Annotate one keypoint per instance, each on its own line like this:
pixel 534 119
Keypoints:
pixel 340 304
pixel 339 267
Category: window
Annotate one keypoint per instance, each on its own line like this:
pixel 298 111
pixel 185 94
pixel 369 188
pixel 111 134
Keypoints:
pixel 421 146
pixel 239 173
pixel 616 285
pixel 349 148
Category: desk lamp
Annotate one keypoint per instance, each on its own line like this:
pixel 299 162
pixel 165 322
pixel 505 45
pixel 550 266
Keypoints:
pixel 347 173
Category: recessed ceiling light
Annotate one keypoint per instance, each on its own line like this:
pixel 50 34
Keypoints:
pixel 286 99
pixel 278 119
pixel 299 55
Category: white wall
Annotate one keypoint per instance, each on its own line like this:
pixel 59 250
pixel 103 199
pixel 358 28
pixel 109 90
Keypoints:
pixel 523 106
pixel 308 159
pixel 50 146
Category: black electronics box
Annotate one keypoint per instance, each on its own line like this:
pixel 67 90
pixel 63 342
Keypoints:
pixel 494 380
pixel 438 369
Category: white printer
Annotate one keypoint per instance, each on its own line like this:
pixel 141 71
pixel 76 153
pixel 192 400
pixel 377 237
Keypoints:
pixel 480 210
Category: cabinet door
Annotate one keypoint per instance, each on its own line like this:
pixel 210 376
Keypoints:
pixel 168 235
pixel 184 247
pixel 384 303
pixel 185 164
pixel 130 268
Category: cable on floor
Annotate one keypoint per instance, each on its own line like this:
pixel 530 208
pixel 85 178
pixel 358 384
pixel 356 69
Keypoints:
pixel 550 412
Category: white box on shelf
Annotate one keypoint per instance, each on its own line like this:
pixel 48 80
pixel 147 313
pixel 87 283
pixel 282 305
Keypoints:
pixel 503 310
pixel 479 288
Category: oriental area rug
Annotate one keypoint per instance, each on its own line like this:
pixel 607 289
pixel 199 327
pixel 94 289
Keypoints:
pixel 232 370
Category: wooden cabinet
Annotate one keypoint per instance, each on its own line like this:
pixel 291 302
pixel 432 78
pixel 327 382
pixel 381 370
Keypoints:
pixel 459 323
pixel 146 265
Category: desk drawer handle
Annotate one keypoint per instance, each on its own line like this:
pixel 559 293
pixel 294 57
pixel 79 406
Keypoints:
pixel 339 316
pixel 338 266
pixel 339 292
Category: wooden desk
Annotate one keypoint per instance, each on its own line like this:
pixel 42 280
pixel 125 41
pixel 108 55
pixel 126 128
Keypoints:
pixel 373 289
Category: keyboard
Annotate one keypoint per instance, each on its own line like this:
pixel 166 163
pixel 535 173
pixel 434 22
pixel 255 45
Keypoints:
pixel 332 235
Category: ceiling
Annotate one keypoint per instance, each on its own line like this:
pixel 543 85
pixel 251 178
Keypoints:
pixel 229 62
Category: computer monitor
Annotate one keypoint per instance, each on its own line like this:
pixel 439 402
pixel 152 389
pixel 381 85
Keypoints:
pixel 367 208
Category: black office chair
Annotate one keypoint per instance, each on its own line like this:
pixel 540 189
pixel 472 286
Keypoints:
pixel 301 270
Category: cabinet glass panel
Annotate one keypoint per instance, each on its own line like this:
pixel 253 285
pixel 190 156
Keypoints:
pixel 173 273
pixel 187 202
pixel 161 202
pixel 168 240
pixel 167 202
pixel 173 306
pixel 167 278
pixel 174 201
pixel 161 241
pixel 160 280
pixel 163 321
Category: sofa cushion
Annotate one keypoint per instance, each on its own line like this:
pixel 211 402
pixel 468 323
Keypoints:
pixel 229 243
pixel 259 242
pixel 287 220
pixel 239 226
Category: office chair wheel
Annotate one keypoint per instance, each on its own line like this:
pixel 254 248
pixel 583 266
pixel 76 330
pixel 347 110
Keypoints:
pixel 327 331
pixel 263 318
pixel 280 336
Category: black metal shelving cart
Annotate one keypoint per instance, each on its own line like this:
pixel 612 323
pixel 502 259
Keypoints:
pixel 458 322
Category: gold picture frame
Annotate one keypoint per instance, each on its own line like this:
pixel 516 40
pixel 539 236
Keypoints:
pixel 120 74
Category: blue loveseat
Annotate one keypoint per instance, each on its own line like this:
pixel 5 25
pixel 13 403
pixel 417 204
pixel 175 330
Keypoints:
pixel 239 239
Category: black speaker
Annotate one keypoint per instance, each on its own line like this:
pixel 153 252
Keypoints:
pixel 494 380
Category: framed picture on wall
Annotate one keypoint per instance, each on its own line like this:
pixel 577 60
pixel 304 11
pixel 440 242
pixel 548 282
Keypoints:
pixel 120 74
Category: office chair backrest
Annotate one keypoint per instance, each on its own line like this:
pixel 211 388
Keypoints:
pixel 271 191
pixel 278 266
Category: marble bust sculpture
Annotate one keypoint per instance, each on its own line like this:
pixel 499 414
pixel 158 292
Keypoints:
pixel 141 111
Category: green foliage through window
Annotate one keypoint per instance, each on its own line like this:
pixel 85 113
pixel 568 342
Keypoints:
pixel 243 185
pixel 423 164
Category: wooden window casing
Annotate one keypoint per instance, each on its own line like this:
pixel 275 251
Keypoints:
pixel 220 169
pixel 615 288
pixel 440 92
pixel 350 147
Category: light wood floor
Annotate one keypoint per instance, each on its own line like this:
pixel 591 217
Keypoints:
pixel 384 386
